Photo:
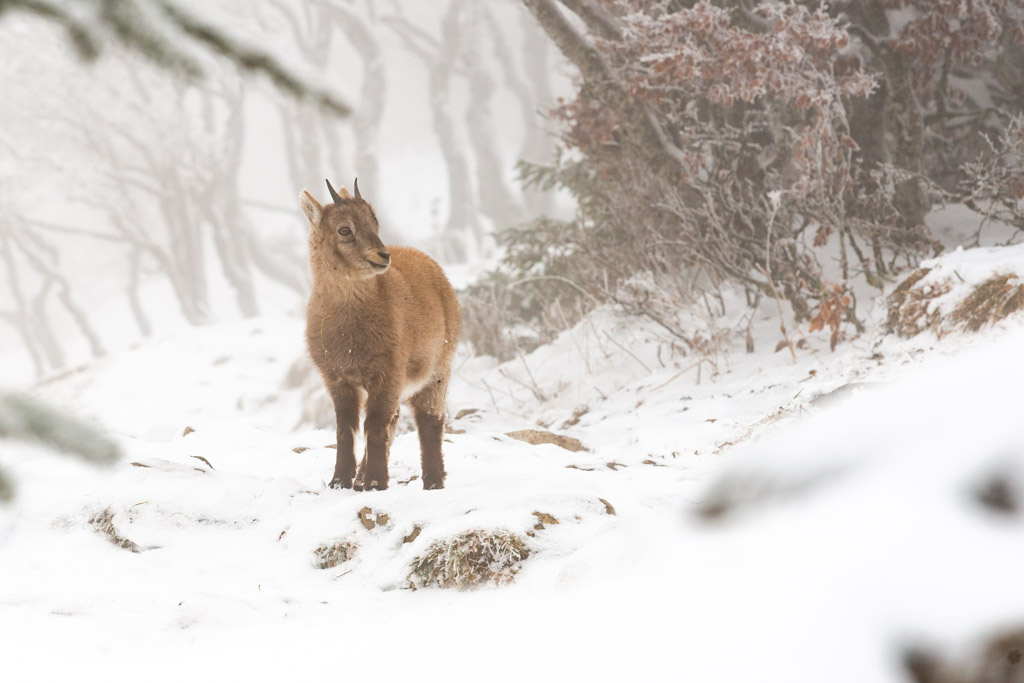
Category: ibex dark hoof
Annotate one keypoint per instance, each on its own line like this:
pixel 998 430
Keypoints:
pixel 432 485
pixel 341 484
pixel 371 485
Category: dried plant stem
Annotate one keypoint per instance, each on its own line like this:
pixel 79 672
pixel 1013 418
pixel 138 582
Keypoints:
pixel 782 317
pixel 682 372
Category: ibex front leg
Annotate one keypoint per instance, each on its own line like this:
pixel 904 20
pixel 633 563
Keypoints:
pixel 346 411
pixel 380 414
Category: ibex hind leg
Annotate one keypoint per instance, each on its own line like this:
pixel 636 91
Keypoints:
pixel 428 409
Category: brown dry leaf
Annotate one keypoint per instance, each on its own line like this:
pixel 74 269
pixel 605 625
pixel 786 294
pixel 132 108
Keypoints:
pixel 366 517
pixel 199 457
pixel 542 519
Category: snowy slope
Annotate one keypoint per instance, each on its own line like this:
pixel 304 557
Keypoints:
pixel 775 520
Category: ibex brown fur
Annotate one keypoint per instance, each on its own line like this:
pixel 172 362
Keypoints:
pixel 381 326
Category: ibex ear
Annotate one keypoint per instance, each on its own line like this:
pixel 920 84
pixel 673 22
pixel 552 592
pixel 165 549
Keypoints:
pixel 311 207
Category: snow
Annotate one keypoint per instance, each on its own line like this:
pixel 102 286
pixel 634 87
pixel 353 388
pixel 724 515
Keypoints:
pixel 972 267
pixel 845 483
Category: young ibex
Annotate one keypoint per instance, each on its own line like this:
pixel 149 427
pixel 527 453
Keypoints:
pixel 381 326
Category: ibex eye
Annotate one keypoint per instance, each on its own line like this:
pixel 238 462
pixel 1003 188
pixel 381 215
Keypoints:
pixel 344 231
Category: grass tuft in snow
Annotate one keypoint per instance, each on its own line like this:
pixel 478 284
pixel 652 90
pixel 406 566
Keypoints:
pixel 990 302
pixel 103 523
pixel 473 559
pixel 910 309
pixel 333 553
pixel 914 305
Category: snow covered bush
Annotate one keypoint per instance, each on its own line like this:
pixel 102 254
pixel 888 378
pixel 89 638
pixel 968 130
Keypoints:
pixel 722 142
pixel 473 559
pixel 995 181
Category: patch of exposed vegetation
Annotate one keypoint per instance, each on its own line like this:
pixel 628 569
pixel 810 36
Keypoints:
pixel 103 523
pixel 333 553
pixel 910 309
pixel 471 560
pixel 991 301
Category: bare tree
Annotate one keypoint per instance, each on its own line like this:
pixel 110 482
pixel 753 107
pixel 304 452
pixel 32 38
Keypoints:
pixel 530 82
pixel 370 110
pixel 163 159
pixel 497 201
pixel 311 140
pixel 152 161
pixel 463 232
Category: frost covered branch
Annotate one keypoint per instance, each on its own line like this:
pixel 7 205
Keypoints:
pixel 168 33
pixel 27 419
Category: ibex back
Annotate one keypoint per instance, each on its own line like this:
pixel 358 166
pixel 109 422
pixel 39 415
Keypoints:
pixel 381 326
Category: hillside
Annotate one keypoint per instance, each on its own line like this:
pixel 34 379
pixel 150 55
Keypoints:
pixel 735 516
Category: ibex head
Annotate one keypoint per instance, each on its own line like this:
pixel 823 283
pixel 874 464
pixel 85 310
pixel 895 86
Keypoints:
pixel 343 235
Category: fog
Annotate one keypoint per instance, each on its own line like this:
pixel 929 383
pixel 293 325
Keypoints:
pixel 136 200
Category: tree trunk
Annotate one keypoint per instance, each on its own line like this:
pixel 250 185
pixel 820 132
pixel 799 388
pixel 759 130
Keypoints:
pixel 538 147
pixel 906 123
pixel 463 234
pixel 497 201
pixel 134 303
pixel 370 111
pixel 640 123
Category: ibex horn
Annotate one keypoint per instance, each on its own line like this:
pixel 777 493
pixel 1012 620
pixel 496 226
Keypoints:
pixel 334 195
pixel 356 186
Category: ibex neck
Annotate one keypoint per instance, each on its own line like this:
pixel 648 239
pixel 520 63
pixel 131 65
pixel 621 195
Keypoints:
pixel 344 289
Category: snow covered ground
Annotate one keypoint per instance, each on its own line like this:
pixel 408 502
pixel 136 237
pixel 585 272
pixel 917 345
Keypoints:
pixel 764 519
